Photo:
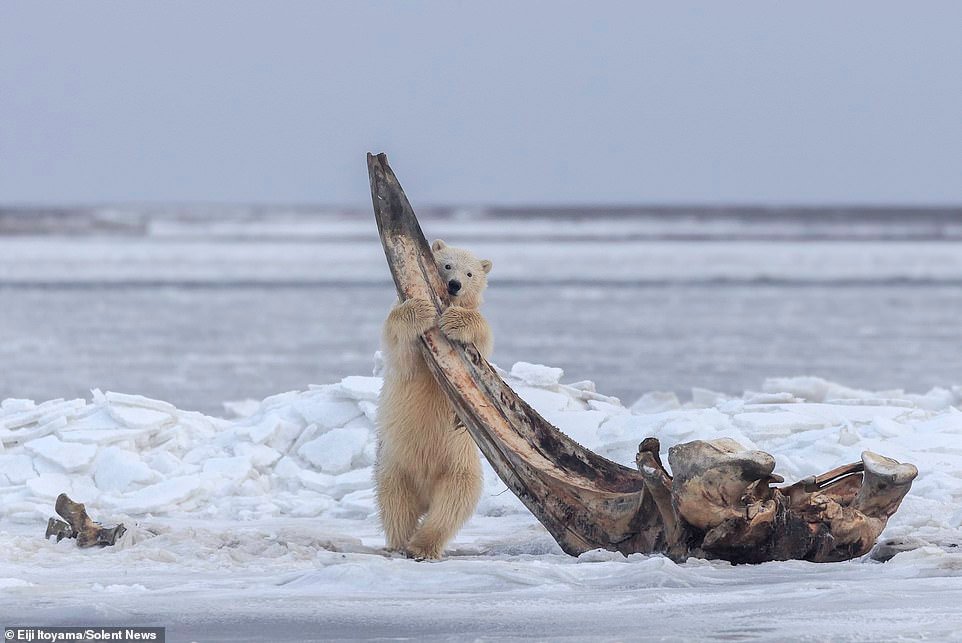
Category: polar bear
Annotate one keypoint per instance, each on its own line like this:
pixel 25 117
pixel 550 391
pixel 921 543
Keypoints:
pixel 428 474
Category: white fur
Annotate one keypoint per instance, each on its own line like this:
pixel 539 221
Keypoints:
pixel 428 473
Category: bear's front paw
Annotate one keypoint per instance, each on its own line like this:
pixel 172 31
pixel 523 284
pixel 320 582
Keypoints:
pixel 459 323
pixel 425 314
pixel 414 316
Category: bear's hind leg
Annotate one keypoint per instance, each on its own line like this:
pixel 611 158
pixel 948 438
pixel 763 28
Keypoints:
pixel 452 503
pixel 398 506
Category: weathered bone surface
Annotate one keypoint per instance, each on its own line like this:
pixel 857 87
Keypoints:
pixel 720 502
pixel 723 497
pixel 79 525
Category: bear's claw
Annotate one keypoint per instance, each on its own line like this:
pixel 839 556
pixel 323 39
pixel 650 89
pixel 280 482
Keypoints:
pixel 457 323
pixel 417 315
pixel 421 554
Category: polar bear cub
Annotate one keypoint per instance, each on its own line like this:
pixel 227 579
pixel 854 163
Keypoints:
pixel 428 474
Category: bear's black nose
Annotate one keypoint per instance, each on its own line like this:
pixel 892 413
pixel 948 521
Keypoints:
pixel 454 286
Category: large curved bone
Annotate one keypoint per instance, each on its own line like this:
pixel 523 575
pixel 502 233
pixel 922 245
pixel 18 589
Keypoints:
pixel 582 499
pixel 721 502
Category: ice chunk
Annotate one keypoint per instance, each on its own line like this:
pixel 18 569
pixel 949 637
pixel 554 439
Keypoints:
pixel 286 468
pixel 378 368
pixel 49 485
pixel 586 395
pixel 202 452
pixel 357 504
pixel 935 400
pixel 870 401
pixel 536 374
pixel 261 455
pixel 33 430
pixel 320 482
pixel 496 499
pixel 816 389
pixel 703 397
pixel 362 388
pixel 242 408
pixel 360 422
pixel 17 468
pixel 140 401
pixel 306 435
pixel 334 451
pixel 656 402
pixel 68 455
pixel 777 423
pixel 164 462
pixel 541 400
pixel 351 481
pixel 580 426
pixel 117 469
pixel 140 417
pixel 369 455
pixel 45 413
pixel 586 386
pixel 306 503
pixel 262 429
pixel 285 433
pixel 234 468
pixel 12 404
pixel 848 435
pixel 888 428
pixel 101 436
pixel 163 495
pixel 625 427
pixel 606 407
pixel 369 409
pixel 326 412
pixel 602 556
pixel 770 398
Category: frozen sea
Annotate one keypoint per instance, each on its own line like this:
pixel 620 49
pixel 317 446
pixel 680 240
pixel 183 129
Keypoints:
pixel 197 307
pixel 262 527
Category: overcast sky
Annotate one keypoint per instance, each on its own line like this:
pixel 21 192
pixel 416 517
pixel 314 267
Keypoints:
pixel 482 102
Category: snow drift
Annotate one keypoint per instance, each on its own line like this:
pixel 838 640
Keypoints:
pixel 310 453
pixel 269 518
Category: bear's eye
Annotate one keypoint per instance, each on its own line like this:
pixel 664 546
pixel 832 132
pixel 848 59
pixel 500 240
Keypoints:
pixel 447 266
pixel 469 274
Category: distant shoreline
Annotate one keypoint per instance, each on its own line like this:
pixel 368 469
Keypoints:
pixel 571 222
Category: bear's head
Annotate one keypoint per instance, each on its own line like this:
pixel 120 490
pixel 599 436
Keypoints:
pixel 465 275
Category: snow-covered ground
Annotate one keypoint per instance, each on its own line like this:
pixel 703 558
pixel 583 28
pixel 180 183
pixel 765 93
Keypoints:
pixel 262 527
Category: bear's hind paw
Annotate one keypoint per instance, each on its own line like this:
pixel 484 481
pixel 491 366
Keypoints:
pixel 423 553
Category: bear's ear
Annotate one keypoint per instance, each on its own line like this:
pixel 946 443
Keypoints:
pixel 438 245
pixel 486 266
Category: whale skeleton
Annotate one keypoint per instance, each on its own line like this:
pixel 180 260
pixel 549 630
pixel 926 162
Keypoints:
pixel 721 501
